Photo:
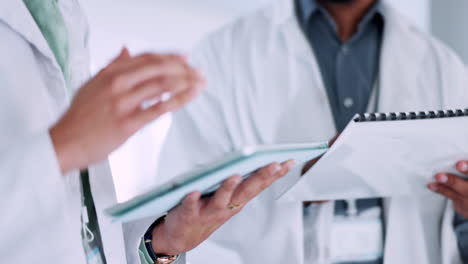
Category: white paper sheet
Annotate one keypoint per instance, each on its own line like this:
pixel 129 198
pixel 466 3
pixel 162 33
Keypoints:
pixel 385 159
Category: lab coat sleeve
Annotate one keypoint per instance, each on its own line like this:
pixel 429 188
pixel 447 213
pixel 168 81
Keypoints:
pixel 133 234
pixel 33 193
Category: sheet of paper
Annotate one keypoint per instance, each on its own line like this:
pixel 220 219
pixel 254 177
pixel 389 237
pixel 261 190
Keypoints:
pixel 385 159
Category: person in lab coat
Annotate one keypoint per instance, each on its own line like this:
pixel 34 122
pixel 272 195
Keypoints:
pixel 52 213
pixel 297 71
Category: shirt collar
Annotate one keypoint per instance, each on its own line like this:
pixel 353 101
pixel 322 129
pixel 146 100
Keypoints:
pixel 308 7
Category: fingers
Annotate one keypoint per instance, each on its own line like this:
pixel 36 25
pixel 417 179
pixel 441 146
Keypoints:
pixel 126 74
pixel 444 191
pixel 287 166
pixel 255 183
pixel 154 89
pixel 145 116
pixel 462 166
pixel 147 78
pixel 191 204
pixel 224 194
pixel 453 182
pixel 259 181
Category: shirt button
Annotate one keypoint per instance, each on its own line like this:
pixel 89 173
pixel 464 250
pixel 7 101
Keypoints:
pixel 344 49
pixel 348 102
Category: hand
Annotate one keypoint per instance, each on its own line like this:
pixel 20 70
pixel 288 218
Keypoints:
pixel 454 188
pixel 196 219
pixel 108 109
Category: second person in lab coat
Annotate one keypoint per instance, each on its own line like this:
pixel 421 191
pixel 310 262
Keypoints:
pixel 297 71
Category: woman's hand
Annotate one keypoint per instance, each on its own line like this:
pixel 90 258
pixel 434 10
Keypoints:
pixel 109 108
pixel 196 219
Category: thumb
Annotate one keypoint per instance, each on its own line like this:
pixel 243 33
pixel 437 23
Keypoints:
pixel 124 54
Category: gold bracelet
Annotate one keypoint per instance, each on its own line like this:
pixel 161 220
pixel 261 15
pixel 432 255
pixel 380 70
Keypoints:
pixel 166 259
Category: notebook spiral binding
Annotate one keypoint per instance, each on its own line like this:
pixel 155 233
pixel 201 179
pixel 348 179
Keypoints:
pixel 370 117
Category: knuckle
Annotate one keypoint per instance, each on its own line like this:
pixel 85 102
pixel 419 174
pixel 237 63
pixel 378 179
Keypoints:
pixel 261 173
pixel 127 127
pixel 105 71
pixel 116 83
pixel 174 58
pixel 218 205
pixel 118 105
pixel 251 192
pixel 148 57
pixel 265 177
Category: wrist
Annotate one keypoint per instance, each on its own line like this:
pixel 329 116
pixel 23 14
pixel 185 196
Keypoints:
pixel 161 243
pixel 63 150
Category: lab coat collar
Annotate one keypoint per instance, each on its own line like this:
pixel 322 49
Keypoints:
pixel 16 15
pixel 309 7
pixel 284 10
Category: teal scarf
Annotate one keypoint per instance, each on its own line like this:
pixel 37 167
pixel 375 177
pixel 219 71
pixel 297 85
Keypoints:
pixel 49 18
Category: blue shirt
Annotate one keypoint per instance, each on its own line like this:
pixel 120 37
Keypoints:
pixel 349 71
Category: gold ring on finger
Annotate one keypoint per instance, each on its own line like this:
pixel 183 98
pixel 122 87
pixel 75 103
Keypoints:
pixel 233 206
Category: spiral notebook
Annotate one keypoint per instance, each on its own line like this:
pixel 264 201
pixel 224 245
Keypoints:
pixel 387 154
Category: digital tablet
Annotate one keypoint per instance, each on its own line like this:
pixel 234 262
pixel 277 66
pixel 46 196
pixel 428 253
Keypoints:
pixel 208 178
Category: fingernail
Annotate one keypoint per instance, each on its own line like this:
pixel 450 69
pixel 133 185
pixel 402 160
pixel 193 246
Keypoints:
pixel 238 180
pixel 275 168
pixel 463 167
pixel 442 178
pixel 432 187
pixel 291 164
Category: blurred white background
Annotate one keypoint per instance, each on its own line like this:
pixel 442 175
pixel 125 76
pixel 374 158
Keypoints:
pixel 176 25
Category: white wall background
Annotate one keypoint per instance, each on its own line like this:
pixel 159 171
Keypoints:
pixel 450 23
pixel 176 25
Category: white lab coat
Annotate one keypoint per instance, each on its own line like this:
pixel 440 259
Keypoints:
pixel 265 87
pixel 40 208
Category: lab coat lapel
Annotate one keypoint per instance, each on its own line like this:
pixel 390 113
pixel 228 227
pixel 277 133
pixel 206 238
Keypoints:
pixel 397 67
pixel 15 14
pixel 302 51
